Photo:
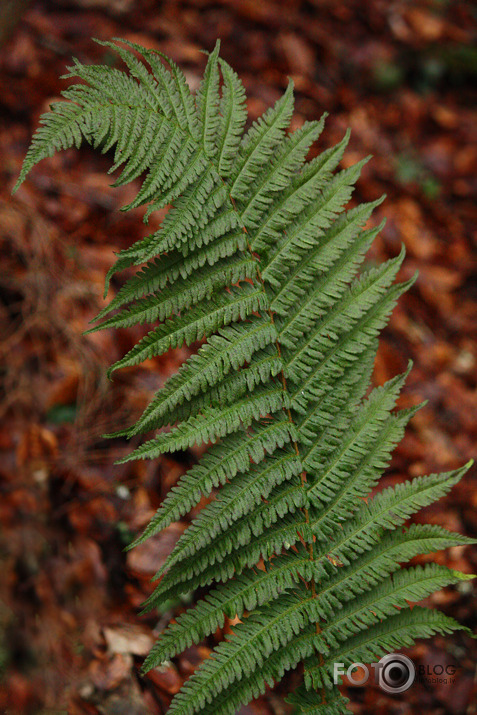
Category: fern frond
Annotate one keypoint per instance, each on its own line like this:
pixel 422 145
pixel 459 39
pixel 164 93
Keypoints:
pixel 258 259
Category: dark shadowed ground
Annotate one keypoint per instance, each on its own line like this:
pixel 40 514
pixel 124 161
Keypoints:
pixel 402 75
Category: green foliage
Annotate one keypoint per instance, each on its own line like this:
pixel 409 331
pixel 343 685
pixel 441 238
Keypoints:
pixel 258 259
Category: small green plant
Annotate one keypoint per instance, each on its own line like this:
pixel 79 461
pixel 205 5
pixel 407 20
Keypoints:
pixel 257 257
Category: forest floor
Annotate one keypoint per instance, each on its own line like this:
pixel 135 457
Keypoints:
pixel 403 77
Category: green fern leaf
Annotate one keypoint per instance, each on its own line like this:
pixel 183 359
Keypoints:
pixel 258 259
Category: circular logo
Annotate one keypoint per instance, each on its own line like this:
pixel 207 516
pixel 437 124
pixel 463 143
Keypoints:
pixel 396 673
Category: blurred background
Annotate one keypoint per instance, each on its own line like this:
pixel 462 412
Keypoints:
pixel 403 76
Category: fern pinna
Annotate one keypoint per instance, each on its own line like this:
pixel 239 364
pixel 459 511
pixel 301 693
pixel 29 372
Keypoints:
pixel 257 258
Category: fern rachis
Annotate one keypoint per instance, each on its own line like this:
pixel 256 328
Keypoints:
pixel 257 258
